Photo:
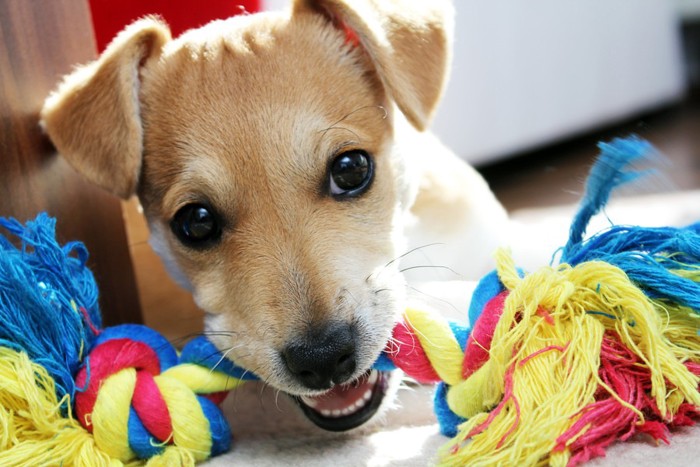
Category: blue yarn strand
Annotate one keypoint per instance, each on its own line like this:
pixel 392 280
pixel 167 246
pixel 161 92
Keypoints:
pixel 201 351
pixel 218 426
pixel 682 243
pixel 141 442
pixel 613 168
pixel 654 258
pixel 43 288
pixel 448 420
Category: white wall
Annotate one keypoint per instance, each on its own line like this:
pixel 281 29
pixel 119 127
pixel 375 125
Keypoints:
pixel 528 73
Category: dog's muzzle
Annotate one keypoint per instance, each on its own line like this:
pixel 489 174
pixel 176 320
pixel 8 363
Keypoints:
pixel 323 358
pixel 326 360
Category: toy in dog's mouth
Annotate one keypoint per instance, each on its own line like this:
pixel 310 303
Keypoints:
pixel 346 406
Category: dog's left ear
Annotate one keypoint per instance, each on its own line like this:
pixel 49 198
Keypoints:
pixel 409 43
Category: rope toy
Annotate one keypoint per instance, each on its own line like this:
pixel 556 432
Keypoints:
pixel 558 365
pixel 562 362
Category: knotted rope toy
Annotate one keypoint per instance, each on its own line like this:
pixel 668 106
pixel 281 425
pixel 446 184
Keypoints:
pixel 562 362
pixel 559 364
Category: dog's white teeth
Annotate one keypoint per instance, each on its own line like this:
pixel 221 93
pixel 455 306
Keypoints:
pixel 349 410
pixel 344 401
pixel 309 401
pixel 373 377
pixel 337 413
pixel 359 404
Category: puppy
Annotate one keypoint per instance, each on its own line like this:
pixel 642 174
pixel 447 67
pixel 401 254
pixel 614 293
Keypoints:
pixel 279 159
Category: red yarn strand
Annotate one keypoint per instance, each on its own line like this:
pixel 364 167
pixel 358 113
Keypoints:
pixel 406 353
pixel 151 408
pixel 105 360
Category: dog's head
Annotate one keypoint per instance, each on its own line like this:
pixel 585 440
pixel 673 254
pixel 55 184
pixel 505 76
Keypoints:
pixel 262 150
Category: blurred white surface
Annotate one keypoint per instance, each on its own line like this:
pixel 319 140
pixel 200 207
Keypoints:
pixel 529 73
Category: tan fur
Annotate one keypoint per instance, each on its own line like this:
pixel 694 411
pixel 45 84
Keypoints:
pixel 245 114
pixel 408 43
pixel 93 117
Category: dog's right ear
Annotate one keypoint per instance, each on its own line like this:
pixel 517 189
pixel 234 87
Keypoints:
pixel 408 42
pixel 93 117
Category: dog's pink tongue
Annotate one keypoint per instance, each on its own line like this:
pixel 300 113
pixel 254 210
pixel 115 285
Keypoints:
pixel 341 397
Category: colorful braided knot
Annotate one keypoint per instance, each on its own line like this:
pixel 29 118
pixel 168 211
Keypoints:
pixel 138 397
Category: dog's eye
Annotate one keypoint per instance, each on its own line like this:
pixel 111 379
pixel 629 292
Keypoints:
pixel 196 225
pixel 350 174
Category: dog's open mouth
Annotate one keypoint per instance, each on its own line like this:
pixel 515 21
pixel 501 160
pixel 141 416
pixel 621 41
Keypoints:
pixel 346 406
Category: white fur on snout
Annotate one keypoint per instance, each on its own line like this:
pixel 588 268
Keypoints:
pixel 374 324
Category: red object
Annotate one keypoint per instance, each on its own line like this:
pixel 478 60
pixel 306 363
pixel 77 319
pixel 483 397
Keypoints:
pixel 406 353
pixel 608 419
pixel 112 357
pixel 476 352
pixel 350 36
pixel 149 404
pixel 110 16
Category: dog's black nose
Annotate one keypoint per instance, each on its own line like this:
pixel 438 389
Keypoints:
pixel 324 358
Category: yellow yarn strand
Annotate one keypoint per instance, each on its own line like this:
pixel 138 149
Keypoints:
pixel 110 415
pixel 202 380
pixel 190 426
pixel 548 340
pixel 476 394
pixel 439 343
pixel 32 429
pixel 172 456
pixel 680 329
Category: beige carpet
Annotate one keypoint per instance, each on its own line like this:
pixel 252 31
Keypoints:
pixel 269 431
pixel 267 434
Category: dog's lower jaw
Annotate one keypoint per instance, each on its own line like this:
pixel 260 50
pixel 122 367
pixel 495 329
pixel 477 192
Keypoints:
pixel 350 405
pixel 347 406
pixel 342 407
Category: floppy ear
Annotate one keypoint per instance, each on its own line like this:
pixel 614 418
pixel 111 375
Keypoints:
pixel 93 116
pixel 409 43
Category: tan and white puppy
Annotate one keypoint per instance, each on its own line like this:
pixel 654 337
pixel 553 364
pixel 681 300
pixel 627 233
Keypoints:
pixel 279 160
